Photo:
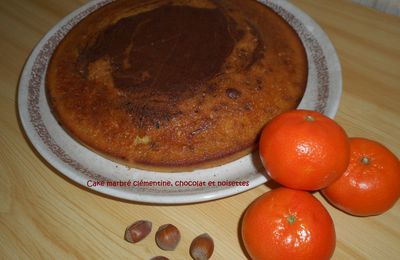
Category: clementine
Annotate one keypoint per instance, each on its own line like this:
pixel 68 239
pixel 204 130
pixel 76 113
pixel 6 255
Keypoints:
pixel 288 224
pixel 371 183
pixel 304 149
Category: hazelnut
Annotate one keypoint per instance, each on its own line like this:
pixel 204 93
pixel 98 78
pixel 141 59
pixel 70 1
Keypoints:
pixel 202 247
pixel 137 231
pixel 168 237
pixel 159 258
pixel 233 93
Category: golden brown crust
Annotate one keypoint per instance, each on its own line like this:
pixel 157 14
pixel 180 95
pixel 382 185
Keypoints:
pixel 173 94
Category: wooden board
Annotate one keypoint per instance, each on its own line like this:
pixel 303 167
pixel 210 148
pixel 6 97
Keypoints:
pixel 44 215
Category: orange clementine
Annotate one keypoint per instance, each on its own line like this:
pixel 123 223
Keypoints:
pixel 304 149
pixel 288 224
pixel 371 183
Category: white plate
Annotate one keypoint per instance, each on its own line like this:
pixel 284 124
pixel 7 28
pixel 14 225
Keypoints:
pixel 85 167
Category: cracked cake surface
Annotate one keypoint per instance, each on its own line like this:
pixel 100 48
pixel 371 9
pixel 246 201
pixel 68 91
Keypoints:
pixel 175 85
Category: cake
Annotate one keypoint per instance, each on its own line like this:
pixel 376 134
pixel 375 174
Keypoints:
pixel 175 85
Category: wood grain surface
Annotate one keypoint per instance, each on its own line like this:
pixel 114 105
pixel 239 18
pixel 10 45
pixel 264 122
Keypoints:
pixel 43 215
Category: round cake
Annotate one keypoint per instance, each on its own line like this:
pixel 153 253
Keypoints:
pixel 175 85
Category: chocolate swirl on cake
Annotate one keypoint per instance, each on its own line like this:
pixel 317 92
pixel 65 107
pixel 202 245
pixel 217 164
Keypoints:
pixel 171 52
